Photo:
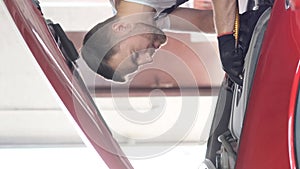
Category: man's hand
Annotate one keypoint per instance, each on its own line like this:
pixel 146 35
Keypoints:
pixel 231 57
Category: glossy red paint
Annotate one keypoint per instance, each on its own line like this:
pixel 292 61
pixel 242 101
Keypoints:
pixel 291 127
pixel 295 4
pixel 265 141
pixel 34 30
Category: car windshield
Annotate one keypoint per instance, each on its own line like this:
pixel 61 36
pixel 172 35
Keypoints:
pixel 167 106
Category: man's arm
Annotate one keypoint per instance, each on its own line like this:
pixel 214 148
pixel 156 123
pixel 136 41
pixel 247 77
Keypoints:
pixel 220 20
pixel 231 57
pixel 224 15
pixel 189 19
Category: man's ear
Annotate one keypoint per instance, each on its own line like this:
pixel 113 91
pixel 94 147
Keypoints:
pixel 121 27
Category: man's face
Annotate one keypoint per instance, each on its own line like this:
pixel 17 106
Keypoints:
pixel 137 48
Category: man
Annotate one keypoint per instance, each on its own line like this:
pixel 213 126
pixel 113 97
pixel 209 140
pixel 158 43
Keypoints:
pixel 122 43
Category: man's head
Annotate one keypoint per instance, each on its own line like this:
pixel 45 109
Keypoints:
pixel 117 47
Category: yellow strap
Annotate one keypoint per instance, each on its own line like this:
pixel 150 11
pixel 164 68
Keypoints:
pixel 236 26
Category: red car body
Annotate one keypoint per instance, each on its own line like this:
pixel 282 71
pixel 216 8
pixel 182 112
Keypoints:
pixel 267 139
pixel 68 87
